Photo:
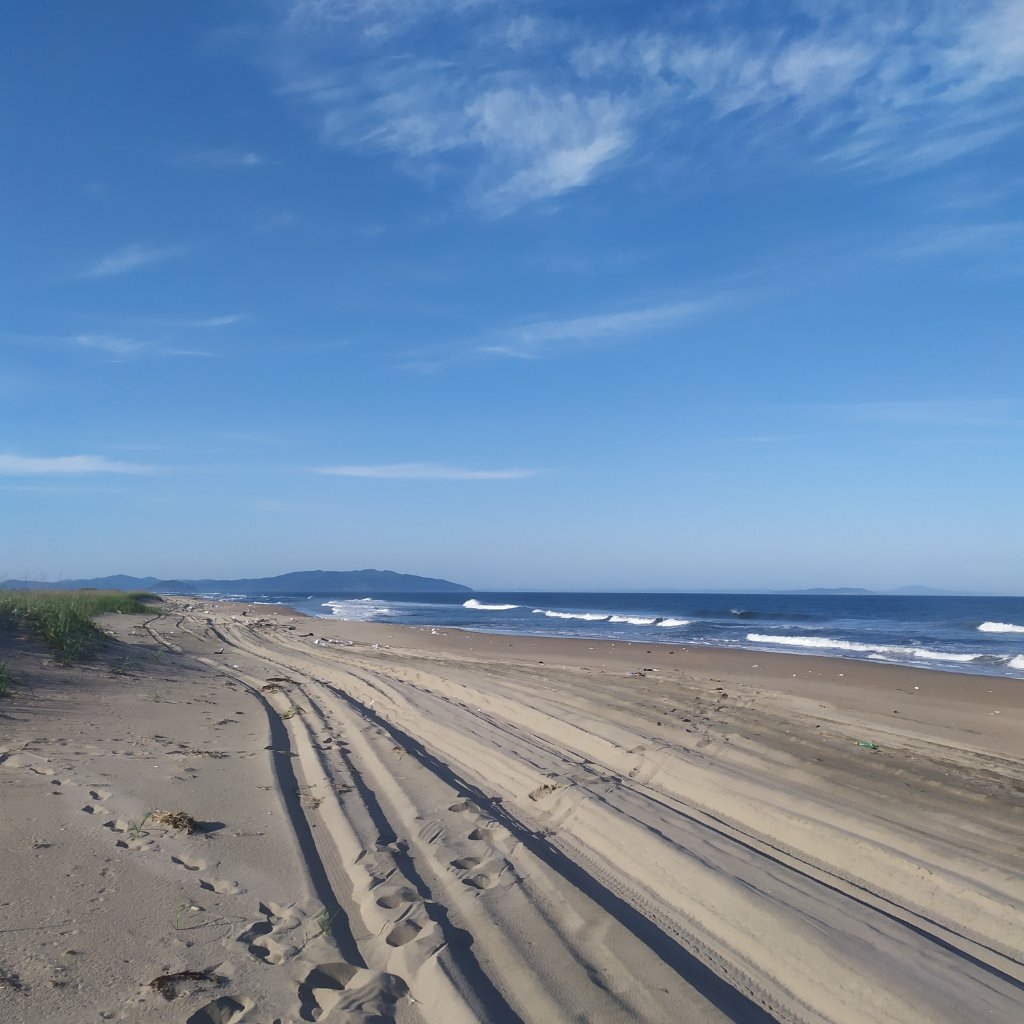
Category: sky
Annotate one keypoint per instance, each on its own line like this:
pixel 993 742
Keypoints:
pixel 569 295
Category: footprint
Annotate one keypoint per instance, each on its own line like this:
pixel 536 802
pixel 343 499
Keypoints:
pixel 99 794
pixel 481 880
pixel 403 932
pixel 261 938
pixel 393 900
pixel 321 989
pixel 225 1010
pixel 366 995
pixel 188 863
pixel 466 863
pixel 462 805
pixel 479 834
pixel 90 809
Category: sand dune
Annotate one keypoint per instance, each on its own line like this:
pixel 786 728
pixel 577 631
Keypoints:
pixel 427 826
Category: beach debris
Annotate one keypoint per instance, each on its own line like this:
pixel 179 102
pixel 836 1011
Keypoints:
pixel 271 688
pixel 867 744
pixel 542 791
pixel 167 984
pixel 293 711
pixel 10 980
pixel 325 641
pixel 180 821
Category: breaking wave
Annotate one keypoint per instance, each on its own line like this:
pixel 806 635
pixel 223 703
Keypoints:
pixel 872 650
pixel 583 616
pixel 672 623
pixel 1000 627
pixel 362 609
pixel 477 606
pixel 1017 663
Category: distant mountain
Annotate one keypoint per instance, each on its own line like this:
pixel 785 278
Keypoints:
pixel 360 581
pixel 839 591
pixel 915 591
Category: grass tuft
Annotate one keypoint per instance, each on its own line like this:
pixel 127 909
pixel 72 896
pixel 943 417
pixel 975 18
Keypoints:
pixel 64 618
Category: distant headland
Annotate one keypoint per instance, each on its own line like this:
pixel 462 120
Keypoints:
pixel 365 582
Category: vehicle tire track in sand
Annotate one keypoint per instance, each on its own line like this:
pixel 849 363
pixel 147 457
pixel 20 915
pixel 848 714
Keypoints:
pixel 412 714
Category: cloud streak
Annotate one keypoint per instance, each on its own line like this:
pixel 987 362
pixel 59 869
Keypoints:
pixel 224 159
pixel 423 471
pixel 526 109
pixel 132 257
pixel 533 339
pixel 65 465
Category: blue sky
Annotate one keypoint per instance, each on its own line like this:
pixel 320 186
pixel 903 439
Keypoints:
pixel 563 295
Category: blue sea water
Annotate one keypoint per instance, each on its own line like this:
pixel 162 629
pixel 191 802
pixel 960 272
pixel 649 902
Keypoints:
pixel 979 635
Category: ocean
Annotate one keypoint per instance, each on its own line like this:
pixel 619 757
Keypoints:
pixel 979 635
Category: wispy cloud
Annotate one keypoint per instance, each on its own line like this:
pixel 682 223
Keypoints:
pixel 526 108
pixel 60 465
pixel 110 344
pixel 533 339
pixel 132 257
pixel 964 237
pixel 423 471
pixel 995 412
pixel 212 321
pixel 221 159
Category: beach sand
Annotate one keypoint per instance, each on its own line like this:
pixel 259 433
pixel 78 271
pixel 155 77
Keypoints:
pixel 435 826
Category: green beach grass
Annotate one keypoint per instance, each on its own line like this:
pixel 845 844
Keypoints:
pixel 64 618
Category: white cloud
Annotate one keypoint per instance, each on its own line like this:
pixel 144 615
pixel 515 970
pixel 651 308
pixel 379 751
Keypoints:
pixel 531 339
pixel 423 471
pixel 131 257
pixel 890 88
pixel 19 465
pixel 109 343
pixel 222 158
pixel 216 321
pixel 948 412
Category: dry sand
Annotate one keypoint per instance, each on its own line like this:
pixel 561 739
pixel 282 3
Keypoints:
pixel 427 826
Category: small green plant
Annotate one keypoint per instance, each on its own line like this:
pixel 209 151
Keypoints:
pixel 122 669
pixel 293 711
pixel 324 923
pixel 135 829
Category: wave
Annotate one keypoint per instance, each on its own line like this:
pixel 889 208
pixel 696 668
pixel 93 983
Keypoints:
pixel 635 620
pixel 873 650
pixel 1017 663
pixel 361 609
pixel 477 606
pixel 672 623
pixel 1000 627
pixel 584 616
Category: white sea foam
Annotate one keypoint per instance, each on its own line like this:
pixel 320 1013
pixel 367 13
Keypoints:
pixel 1000 627
pixel 634 620
pixel 875 651
pixel 1017 663
pixel 477 606
pixel 362 609
pixel 584 616
pixel 672 623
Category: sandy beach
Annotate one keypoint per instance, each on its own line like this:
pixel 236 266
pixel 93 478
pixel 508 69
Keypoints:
pixel 382 823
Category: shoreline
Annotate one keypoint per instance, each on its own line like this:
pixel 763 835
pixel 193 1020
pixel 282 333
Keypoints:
pixel 422 825
pixel 938 663
pixel 957 700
